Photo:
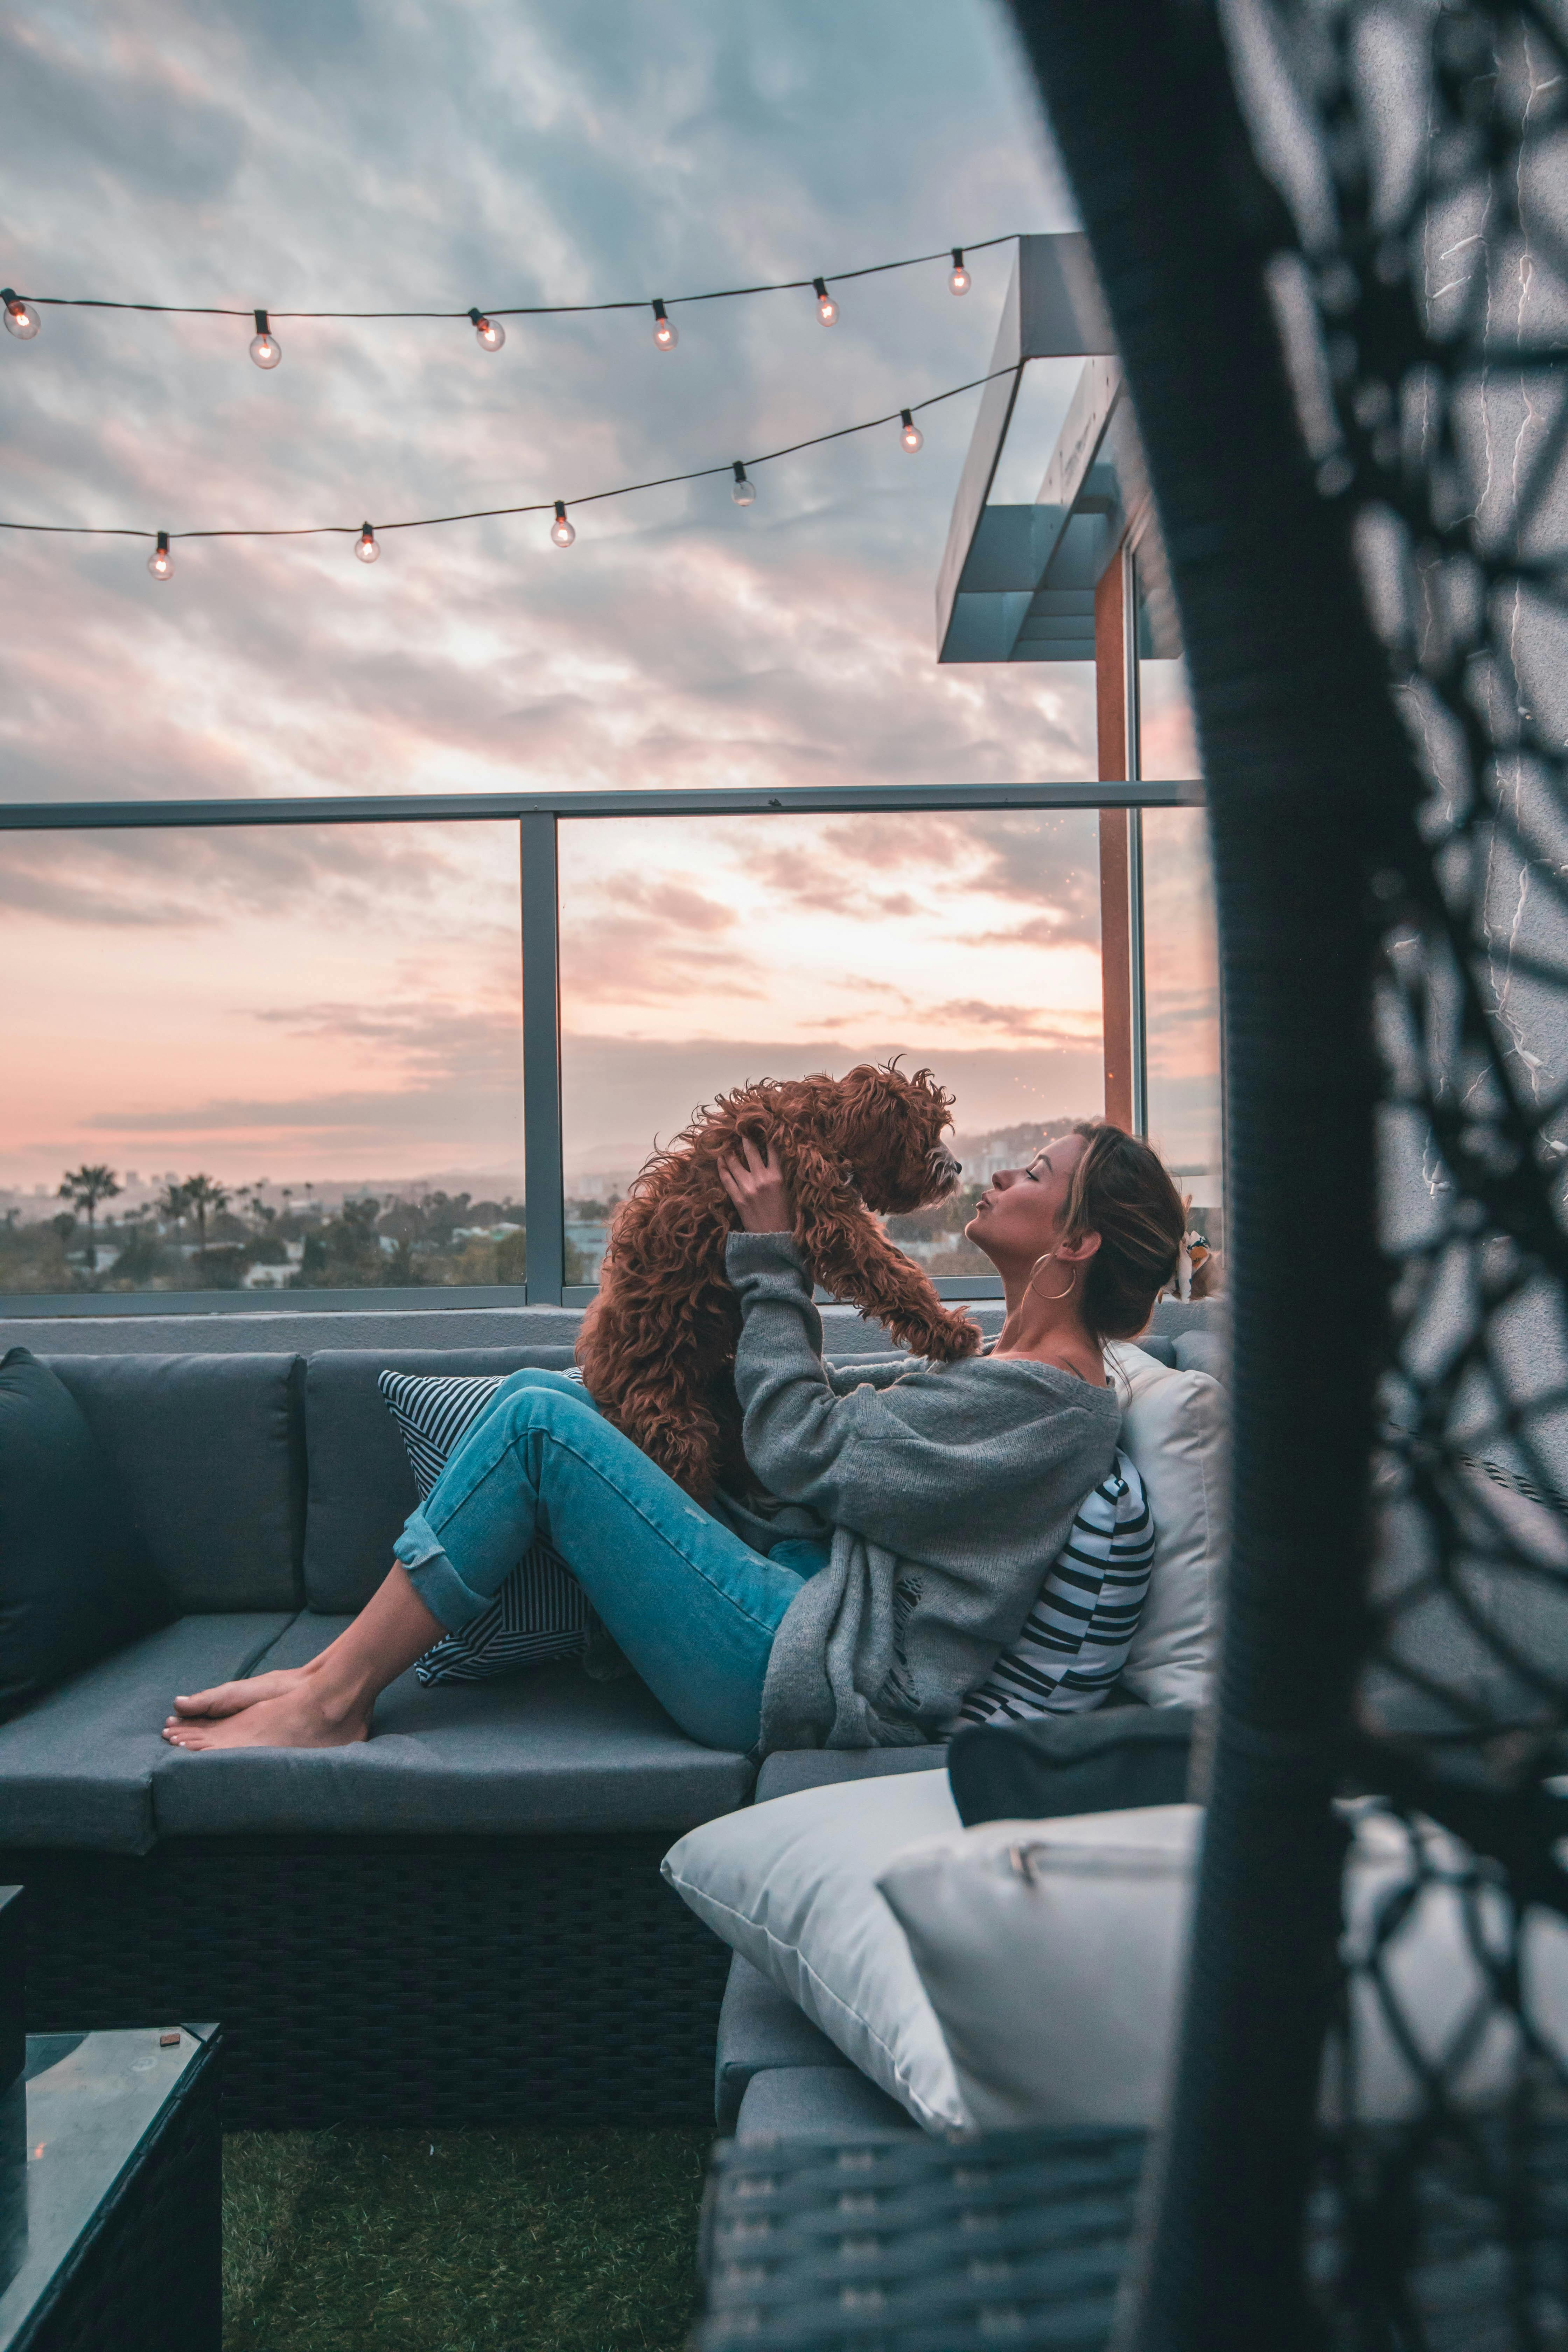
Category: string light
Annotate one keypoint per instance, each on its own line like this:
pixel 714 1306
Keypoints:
pixel 488 333
pixel 265 348
pixel 561 531
pixel 664 334
pixel 744 490
pixel 21 318
pixel 24 312
pixel 912 436
pixel 826 307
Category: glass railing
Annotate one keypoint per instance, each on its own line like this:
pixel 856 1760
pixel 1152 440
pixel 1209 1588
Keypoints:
pixel 420 1047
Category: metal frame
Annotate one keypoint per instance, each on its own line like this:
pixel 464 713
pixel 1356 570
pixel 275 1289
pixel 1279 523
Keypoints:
pixel 476 808
pixel 537 817
pixel 1133 735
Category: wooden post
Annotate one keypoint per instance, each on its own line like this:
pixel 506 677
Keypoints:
pixel 1115 891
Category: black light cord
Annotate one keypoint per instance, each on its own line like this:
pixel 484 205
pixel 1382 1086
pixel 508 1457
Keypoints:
pixel 482 514
pixel 516 311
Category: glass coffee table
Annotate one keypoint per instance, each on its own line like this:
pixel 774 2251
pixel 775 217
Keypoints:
pixel 110 2186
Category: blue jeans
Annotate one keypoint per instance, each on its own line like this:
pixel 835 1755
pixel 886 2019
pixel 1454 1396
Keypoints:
pixel 693 1608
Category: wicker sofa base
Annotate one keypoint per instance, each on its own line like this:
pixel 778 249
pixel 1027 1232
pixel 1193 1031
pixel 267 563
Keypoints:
pixel 393 1981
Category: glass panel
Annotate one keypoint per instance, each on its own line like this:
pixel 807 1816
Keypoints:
pixel 1167 740
pixel 698 954
pixel 294 1053
pixel 1181 1008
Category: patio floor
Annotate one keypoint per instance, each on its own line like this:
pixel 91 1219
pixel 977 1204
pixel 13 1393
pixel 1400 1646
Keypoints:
pixel 460 2242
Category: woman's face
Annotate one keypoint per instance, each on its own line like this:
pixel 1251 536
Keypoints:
pixel 1019 1215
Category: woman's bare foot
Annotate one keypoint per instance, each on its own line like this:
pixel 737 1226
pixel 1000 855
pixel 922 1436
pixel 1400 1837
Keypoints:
pixel 326 1703
pixel 307 1713
pixel 227 1698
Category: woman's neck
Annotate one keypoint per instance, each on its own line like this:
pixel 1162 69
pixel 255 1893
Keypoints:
pixel 1049 1329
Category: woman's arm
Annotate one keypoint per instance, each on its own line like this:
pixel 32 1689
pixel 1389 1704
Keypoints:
pixel 798 1429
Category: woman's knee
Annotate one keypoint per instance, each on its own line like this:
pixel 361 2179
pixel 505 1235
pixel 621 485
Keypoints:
pixel 535 1380
pixel 532 1398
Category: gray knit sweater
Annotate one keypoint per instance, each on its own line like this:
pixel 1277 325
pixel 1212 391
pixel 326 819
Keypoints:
pixel 948 1490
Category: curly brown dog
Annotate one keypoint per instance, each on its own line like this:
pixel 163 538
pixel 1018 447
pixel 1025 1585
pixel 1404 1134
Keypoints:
pixel 658 1345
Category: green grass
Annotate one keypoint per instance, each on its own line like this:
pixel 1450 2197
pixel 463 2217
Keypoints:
pixel 461 2242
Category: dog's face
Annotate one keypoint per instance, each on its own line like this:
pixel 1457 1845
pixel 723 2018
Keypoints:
pixel 887 1129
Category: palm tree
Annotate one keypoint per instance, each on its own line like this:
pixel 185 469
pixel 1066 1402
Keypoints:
pixel 172 1203
pixel 207 1198
pixel 84 1188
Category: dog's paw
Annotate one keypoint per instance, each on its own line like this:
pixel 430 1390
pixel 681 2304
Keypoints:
pixel 947 1341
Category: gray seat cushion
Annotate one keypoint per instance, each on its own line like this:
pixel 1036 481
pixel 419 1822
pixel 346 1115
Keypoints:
pixel 789 1769
pixel 546 1750
pixel 760 2027
pixel 77 1767
pixel 818 2103
pixel 209 1452
pixel 361 1488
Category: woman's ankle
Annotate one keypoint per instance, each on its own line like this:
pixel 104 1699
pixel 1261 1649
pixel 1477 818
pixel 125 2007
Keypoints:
pixel 337 1693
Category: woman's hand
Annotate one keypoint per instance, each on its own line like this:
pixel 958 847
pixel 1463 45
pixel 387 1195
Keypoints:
pixel 756 1185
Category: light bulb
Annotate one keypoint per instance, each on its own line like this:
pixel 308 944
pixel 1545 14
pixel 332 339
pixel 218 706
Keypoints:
pixel 21 318
pixel 488 333
pixel 959 281
pixel 265 348
pixel 161 563
pixel 743 490
pixel 826 307
pixel 365 546
pixel 561 531
pixel 664 334
pixel 912 436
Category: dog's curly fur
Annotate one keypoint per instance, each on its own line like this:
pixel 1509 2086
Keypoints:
pixel 658 1345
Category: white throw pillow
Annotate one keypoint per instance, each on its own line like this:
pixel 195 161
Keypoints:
pixel 1053 1953
pixel 791 1885
pixel 1173 1424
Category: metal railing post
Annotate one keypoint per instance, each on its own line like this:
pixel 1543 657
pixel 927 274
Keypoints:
pixel 543 1192
pixel 1137 977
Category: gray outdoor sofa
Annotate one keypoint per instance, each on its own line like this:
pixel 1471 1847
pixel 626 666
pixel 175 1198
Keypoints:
pixel 460 1921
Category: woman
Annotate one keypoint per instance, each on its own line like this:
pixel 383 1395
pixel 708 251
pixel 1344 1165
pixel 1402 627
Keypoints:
pixel 912 1512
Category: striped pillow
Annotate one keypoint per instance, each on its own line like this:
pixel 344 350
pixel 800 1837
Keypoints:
pixel 1081 1627
pixel 540 1612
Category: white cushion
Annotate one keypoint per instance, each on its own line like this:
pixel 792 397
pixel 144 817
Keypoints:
pixel 1174 1426
pixel 1052 1953
pixel 791 1885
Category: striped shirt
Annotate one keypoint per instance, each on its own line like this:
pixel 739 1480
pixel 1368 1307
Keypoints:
pixel 1076 1640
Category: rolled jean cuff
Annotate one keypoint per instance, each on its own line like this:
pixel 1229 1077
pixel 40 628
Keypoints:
pixel 434 1578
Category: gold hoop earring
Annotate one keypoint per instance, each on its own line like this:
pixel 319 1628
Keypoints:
pixel 1045 1259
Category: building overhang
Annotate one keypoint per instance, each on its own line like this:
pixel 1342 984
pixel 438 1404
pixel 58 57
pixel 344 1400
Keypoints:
pixel 1017 583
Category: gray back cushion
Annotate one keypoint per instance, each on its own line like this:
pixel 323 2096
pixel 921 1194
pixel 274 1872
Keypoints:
pixel 1204 1351
pixel 209 1453
pixel 361 1488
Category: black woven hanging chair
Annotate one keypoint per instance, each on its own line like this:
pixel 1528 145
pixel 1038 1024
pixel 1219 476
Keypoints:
pixel 1332 238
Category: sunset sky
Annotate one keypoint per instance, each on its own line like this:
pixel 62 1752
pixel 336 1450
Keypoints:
pixel 344 1002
